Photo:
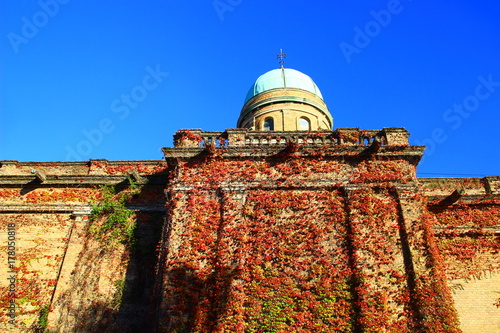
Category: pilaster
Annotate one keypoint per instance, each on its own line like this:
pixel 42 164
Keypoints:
pixel 61 299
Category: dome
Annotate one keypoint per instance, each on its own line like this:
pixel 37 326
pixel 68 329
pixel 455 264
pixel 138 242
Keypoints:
pixel 283 78
pixel 285 99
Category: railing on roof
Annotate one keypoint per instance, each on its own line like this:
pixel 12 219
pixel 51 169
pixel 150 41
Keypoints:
pixel 238 137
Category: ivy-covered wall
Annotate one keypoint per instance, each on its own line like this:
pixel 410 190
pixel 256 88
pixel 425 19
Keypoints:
pixel 468 238
pixel 35 250
pixel 249 240
pixel 300 242
pixel 79 244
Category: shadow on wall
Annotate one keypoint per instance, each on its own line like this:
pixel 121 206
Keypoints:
pixel 112 287
pixel 195 303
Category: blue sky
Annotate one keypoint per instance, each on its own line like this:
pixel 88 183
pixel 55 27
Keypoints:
pixel 67 67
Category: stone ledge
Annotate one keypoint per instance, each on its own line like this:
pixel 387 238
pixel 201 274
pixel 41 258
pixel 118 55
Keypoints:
pixel 47 208
pixel 435 201
pixel 299 184
pixel 76 209
pixel 89 180
pixel 466 229
pixel 414 153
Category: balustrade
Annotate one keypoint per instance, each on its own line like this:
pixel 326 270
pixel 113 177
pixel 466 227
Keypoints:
pixel 244 137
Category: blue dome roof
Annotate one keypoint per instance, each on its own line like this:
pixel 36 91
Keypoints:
pixel 283 78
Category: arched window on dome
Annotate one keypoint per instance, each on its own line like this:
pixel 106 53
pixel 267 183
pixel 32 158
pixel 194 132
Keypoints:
pixel 304 124
pixel 268 124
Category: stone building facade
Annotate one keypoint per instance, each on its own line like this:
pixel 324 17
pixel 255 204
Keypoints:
pixel 281 224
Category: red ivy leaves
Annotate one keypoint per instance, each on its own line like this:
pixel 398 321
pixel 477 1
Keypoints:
pixel 275 260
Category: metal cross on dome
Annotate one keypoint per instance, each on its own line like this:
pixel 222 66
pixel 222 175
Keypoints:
pixel 281 57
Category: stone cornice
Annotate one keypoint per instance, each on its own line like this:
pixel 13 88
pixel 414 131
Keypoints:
pixel 75 180
pixel 75 209
pixel 411 153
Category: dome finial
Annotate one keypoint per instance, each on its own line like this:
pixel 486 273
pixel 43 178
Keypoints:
pixel 281 57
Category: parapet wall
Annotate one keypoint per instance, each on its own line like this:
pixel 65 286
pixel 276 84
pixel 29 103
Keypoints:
pixel 188 138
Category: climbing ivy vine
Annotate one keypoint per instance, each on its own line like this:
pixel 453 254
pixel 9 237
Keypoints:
pixel 111 218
